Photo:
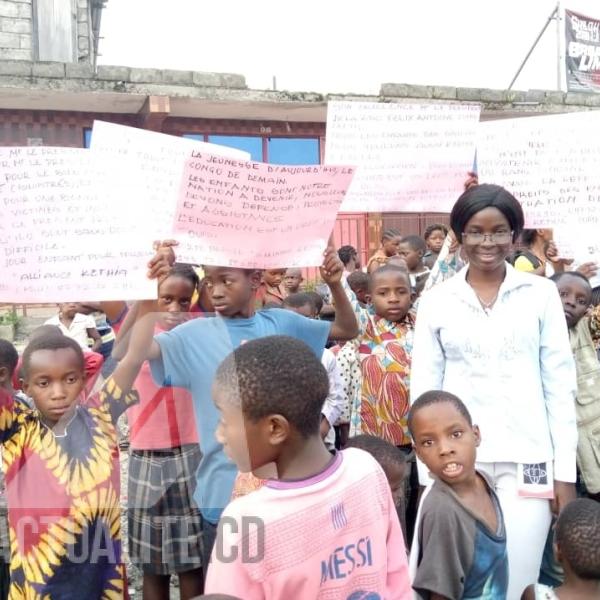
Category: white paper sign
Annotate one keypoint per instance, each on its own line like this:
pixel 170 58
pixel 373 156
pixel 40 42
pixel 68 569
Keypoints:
pixel 409 157
pixel 580 243
pixel 62 235
pixel 550 163
pixel 150 173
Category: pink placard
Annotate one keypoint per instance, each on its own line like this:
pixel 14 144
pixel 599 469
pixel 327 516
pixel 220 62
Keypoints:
pixel 254 215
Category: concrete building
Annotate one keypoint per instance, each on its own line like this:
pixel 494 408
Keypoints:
pixel 51 92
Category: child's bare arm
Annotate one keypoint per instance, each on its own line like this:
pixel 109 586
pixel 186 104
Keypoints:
pixel 92 333
pixel 140 340
pixel 528 593
pixel 158 268
pixel 345 326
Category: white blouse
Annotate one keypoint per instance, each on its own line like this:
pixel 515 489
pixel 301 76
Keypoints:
pixel 511 365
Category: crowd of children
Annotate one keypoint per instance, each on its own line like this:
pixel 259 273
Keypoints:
pixel 412 434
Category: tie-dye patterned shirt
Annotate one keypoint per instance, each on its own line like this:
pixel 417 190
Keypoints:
pixel 63 500
pixel 384 350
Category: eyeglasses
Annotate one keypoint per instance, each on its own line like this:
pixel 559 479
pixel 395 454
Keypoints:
pixel 501 237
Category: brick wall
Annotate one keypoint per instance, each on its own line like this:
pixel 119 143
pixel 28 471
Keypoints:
pixel 16 27
pixel 19 32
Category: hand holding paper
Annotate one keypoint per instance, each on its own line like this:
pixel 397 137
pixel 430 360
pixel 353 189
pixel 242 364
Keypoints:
pixel 161 263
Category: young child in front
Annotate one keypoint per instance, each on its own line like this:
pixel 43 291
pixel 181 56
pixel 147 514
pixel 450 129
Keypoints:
pixel 576 547
pixel 584 331
pixel 327 526
pixel 460 542
pixel 62 472
pixel 412 249
pixel 384 351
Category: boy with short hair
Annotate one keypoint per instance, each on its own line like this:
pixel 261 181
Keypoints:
pixel 270 288
pixel 188 357
pixel 584 332
pixel 292 281
pixel 62 472
pixel 81 328
pixel 359 284
pixel 412 249
pixel 434 236
pixel 332 517
pixel 460 544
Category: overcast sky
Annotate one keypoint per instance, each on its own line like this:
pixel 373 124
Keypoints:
pixel 341 45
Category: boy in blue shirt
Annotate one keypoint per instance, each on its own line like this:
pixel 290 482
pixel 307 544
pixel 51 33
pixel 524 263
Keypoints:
pixel 188 357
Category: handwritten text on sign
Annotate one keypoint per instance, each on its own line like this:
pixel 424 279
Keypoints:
pixel 254 215
pixel 549 163
pixel 580 243
pixel 409 157
pixel 60 238
pixel 149 173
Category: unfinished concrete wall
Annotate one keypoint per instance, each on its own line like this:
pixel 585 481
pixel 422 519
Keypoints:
pixel 16 27
pixel 48 30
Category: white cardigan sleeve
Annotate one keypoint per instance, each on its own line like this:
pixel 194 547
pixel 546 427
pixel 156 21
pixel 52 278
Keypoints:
pixel 559 382
pixel 428 361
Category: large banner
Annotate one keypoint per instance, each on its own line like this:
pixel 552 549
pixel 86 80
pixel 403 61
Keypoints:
pixel 410 157
pixel 549 163
pixel 64 234
pixel 582 52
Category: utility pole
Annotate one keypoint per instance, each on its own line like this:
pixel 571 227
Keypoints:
pixel 554 15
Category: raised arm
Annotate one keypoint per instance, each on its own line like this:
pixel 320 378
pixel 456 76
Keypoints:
pixel 158 268
pixel 345 326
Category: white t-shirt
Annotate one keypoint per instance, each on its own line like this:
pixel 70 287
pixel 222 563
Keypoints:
pixel 78 328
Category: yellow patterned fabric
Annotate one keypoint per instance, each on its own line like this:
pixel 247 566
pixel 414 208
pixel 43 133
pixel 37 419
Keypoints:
pixel 63 500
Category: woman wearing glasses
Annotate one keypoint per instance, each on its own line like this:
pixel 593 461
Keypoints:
pixel 497 339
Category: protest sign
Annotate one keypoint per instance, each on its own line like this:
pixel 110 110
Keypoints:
pixel 582 54
pixel 550 163
pixel 62 237
pixel 149 172
pixel 254 215
pixel 581 243
pixel 409 157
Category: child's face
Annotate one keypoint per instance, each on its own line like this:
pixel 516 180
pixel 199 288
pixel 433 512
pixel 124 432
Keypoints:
pixel 273 277
pixel 412 256
pixel 390 295
pixel 243 441
pixel 436 240
pixel 390 247
pixel 54 381
pixel 292 280
pixel 362 294
pixel 68 310
pixel 576 297
pixel 230 289
pixel 174 300
pixel 445 442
